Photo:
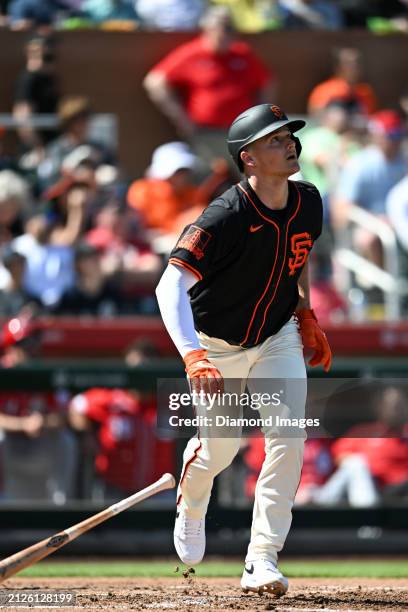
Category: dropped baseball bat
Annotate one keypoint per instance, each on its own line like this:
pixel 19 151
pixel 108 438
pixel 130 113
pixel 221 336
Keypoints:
pixel 30 555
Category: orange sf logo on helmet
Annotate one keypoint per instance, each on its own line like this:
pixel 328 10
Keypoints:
pixel 277 111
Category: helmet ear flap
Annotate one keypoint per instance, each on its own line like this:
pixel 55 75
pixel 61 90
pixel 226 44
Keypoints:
pixel 297 145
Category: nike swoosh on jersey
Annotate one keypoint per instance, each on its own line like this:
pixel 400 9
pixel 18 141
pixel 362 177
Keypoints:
pixel 255 228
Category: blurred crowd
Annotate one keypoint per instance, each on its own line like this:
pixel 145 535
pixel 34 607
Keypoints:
pixel 173 15
pixel 79 237
pixel 98 445
pixel 103 443
pixel 355 463
pixel 69 242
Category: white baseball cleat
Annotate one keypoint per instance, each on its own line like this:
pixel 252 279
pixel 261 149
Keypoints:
pixel 262 576
pixel 189 538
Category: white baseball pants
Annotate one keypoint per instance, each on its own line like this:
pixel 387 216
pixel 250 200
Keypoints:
pixel 279 357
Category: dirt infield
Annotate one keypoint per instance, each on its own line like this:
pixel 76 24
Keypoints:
pixel 192 593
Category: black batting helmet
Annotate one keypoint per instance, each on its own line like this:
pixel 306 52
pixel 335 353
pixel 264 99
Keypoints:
pixel 256 122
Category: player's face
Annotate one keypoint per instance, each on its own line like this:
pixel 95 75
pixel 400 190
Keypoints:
pixel 275 154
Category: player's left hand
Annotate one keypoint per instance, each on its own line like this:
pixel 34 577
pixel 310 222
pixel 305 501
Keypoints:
pixel 314 337
pixel 203 375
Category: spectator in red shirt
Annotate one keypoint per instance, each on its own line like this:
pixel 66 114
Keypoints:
pixel 205 83
pixel 375 467
pixel 122 424
pixel 317 466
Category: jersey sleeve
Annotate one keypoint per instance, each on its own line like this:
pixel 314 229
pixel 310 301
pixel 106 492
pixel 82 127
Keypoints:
pixel 203 244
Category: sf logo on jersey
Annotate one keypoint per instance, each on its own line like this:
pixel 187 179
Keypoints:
pixel 300 245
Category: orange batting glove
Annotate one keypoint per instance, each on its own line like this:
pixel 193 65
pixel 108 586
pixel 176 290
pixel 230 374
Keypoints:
pixel 314 337
pixel 204 376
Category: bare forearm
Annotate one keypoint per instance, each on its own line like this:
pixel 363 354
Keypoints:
pixel 167 101
pixel 304 288
pixel 76 204
pixel 70 233
pixel 11 423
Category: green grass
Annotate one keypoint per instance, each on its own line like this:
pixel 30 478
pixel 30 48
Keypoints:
pixel 302 569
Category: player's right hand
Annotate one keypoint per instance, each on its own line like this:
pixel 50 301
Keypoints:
pixel 202 374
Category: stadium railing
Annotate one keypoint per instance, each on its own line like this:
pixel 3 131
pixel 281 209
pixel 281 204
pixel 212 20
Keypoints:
pixel 389 279
pixel 87 337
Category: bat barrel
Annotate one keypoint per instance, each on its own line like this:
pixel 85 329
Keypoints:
pixel 24 558
pixel 32 554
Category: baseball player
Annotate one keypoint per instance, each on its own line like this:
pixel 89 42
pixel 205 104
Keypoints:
pixel 235 300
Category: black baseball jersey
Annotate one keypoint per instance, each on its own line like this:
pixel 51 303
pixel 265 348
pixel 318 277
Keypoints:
pixel 247 259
